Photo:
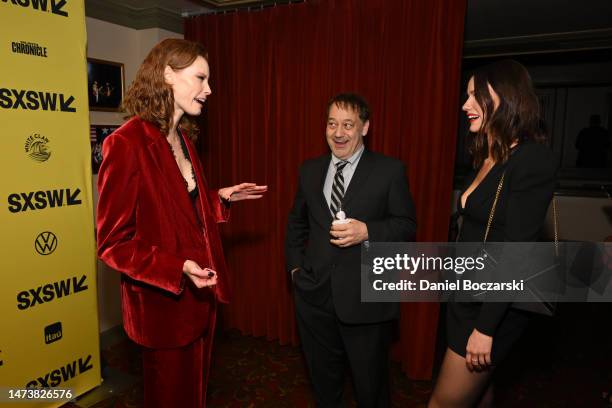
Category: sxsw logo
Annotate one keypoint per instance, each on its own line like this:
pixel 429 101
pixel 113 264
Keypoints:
pixel 35 100
pixel 53 332
pixel 41 199
pixel 62 374
pixel 45 243
pixel 57 6
pixel 51 291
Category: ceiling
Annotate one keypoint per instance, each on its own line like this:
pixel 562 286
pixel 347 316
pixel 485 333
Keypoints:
pixel 177 7
pixel 502 26
pixel 189 7
pixel 230 3
pixel 513 18
pixel 167 14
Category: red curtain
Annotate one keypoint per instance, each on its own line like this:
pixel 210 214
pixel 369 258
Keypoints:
pixel 272 73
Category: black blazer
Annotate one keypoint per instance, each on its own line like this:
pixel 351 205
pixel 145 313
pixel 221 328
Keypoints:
pixel 378 195
pixel 529 184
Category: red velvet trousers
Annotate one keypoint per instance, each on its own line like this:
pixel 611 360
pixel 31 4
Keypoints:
pixel 177 377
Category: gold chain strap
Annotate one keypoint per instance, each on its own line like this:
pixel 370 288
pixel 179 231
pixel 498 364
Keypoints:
pixel 492 213
pixel 555 225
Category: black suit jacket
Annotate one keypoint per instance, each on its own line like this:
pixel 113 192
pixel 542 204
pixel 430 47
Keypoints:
pixel 529 185
pixel 377 195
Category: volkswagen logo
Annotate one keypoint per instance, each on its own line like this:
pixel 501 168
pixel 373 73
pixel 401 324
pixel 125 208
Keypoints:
pixel 46 243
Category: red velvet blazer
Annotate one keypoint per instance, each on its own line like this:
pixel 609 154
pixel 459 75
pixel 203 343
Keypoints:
pixel 147 228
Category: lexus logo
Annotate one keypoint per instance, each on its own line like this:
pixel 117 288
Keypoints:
pixel 46 243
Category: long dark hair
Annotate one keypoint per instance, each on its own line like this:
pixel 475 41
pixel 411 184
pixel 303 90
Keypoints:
pixel 517 118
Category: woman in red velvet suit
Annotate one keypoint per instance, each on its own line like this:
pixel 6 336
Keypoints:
pixel 157 224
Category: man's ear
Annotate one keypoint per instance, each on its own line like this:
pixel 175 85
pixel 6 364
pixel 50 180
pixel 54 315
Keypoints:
pixel 366 126
pixel 169 75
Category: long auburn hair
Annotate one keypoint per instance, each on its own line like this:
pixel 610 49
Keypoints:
pixel 150 97
pixel 517 118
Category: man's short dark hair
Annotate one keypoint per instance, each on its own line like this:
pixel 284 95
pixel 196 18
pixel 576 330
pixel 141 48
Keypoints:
pixel 350 101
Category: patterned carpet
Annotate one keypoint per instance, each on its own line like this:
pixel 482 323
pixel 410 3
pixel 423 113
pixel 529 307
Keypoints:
pixel 247 372
pixel 561 362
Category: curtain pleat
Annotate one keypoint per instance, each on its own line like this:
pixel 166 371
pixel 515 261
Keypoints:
pixel 272 73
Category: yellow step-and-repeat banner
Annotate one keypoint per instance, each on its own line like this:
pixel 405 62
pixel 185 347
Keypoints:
pixel 49 335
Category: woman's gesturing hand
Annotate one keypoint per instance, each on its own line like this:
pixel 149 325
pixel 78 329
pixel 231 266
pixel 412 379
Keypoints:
pixel 243 191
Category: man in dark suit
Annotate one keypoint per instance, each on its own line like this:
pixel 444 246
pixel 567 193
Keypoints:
pixel 323 256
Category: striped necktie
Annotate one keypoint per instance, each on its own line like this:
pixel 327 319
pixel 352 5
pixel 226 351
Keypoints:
pixel 338 188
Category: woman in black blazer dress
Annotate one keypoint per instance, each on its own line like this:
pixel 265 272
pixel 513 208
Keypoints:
pixel 503 111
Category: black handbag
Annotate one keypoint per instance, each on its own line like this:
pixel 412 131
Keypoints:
pixel 540 304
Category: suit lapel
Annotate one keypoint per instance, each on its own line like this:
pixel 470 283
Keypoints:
pixel 200 180
pixel 485 191
pixel 321 210
pixel 169 174
pixel 362 172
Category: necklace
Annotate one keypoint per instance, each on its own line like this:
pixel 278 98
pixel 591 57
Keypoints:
pixel 183 163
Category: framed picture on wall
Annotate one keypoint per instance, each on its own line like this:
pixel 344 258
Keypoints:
pixel 105 83
pixel 97 134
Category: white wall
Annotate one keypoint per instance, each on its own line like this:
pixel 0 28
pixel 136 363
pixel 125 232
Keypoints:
pixel 578 218
pixel 583 218
pixel 116 43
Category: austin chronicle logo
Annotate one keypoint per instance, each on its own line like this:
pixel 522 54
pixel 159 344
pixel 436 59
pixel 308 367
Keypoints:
pixel 46 243
pixel 36 147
